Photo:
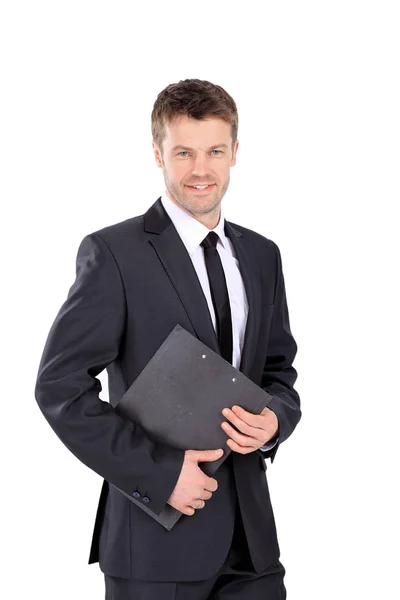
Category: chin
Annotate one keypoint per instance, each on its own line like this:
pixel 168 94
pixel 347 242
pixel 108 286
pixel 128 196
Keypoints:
pixel 200 208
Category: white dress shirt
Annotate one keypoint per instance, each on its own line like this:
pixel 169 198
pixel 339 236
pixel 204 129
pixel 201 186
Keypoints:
pixel 192 233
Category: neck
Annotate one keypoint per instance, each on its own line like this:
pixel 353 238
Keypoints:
pixel 210 220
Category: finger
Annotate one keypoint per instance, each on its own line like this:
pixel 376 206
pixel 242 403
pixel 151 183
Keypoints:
pixel 243 440
pixel 253 420
pixel 240 449
pixel 205 495
pixel 241 424
pixel 238 422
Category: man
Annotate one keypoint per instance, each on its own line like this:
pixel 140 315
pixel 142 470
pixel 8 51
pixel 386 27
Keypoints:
pixel 180 262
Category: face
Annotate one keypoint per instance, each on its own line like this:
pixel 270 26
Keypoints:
pixel 197 153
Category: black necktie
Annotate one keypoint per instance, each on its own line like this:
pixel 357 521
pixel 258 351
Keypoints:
pixel 219 295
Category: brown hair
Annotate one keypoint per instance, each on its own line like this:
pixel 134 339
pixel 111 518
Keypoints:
pixel 194 98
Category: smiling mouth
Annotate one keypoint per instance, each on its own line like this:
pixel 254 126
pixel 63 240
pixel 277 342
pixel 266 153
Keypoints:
pixel 201 187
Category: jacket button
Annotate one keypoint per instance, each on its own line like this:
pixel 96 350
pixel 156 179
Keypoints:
pixel 145 499
pixel 136 494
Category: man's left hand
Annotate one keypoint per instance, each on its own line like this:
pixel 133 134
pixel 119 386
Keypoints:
pixel 256 430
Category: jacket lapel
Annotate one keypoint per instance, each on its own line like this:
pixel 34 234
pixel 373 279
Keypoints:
pixel 248 267
pixel 179 268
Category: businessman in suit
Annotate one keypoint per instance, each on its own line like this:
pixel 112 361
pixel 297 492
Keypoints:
pixel 135 281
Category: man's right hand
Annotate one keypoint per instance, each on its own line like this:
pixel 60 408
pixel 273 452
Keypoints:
pixel 193 484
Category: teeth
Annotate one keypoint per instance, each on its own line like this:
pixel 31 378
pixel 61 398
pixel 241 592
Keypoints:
pixel 200 187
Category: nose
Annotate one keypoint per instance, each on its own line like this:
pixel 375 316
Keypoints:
pixel 199 165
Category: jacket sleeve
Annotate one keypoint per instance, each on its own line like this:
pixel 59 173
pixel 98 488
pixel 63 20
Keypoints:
pixel 279 375
pixel 84 338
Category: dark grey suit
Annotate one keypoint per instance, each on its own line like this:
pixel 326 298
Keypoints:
pixel 134 282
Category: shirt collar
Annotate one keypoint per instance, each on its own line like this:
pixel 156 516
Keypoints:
pixel 190 229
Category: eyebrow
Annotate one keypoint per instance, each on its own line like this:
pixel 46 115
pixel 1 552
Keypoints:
pixel 187 147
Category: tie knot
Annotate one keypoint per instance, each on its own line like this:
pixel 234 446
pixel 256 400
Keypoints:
pixel 210 241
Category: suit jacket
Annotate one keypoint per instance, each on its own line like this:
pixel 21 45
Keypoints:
pixel 134 282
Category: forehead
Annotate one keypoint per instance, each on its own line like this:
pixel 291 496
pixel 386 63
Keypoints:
pixel 194 133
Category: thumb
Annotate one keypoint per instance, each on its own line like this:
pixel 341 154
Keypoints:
pixel 208 455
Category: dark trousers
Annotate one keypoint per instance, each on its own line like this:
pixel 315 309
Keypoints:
pixel 235 580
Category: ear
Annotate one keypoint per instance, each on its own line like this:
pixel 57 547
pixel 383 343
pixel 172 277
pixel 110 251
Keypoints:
pixel 235 149
pixel 157 155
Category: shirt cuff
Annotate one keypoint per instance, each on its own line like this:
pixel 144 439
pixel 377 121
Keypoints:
pixel 269 445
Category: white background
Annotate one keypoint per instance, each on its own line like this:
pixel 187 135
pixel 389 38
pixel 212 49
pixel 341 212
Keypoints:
pixel 317 89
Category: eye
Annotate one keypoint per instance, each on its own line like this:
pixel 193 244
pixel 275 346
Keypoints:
pixel 182 152
pixel 220 151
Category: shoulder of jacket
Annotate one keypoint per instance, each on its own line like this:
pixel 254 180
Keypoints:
pixel 255 237
pixel 116 231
